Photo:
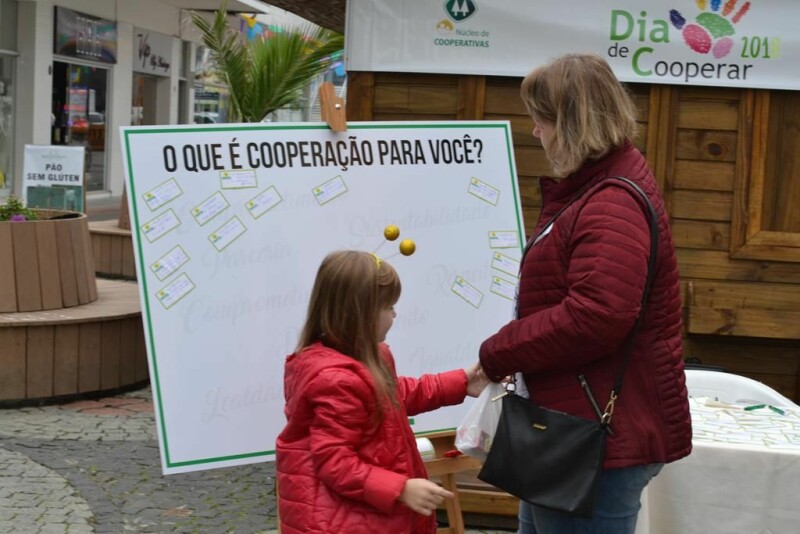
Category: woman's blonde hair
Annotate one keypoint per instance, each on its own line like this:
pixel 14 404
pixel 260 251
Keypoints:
pixel 351 288
pixel 591 111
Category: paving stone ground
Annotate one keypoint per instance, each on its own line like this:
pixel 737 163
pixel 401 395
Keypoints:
pixel 93 467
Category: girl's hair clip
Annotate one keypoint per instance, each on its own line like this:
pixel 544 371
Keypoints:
pixel 377 259
pixel 391 233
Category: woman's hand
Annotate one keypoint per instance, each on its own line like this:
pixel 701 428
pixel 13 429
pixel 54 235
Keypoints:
pixel 476 380
pixel 423 496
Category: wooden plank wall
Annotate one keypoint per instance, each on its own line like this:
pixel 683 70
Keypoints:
pixel 741 314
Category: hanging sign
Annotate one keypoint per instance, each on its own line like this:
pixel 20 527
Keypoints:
pixel 732 43
pixel 84 36
pixel 53 177
pixel 152 52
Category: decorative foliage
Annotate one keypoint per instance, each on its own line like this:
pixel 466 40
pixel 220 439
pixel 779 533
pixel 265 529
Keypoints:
pixel 14 210
pixel 266 74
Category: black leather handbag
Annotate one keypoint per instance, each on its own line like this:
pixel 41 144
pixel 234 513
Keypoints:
pixel 550 458
pixel 545 457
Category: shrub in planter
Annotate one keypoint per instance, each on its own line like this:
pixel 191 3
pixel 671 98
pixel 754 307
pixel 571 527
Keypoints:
pixel 14 210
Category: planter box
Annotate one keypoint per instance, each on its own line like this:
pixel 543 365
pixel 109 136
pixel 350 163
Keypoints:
pixel 46 264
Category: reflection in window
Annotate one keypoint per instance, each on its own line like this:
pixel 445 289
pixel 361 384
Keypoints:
pixel 79 115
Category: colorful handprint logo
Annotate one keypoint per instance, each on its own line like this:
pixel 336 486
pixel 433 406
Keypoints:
pixel 711 30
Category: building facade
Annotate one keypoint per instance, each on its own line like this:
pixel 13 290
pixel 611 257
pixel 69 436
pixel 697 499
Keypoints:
pixel 72 72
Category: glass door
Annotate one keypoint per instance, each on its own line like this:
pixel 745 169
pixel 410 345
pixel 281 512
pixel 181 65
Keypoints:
pixel 79 115
pixel 145 100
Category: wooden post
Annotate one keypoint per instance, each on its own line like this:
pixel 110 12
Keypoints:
pixel 124 221
pixel 332 107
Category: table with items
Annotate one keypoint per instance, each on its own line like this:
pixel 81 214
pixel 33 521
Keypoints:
pixel 743 475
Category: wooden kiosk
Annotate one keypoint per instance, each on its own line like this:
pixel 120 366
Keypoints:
pixel 728 162
pixel 726 159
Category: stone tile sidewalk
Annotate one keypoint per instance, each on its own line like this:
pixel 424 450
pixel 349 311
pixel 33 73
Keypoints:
pixel 93 467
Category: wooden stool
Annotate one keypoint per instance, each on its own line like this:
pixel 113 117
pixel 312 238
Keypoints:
pixel 447 468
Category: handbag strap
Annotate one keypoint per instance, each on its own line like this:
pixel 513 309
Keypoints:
pixel 648 284
pixel 535 238
pixel 651 264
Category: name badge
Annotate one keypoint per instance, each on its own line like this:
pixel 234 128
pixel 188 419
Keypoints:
pixel 547 230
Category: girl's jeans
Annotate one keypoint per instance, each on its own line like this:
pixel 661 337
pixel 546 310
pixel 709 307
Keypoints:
pixel 615 511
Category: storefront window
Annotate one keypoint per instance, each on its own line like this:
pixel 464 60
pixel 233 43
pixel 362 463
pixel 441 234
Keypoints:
pixel 8 24
pixel 184 70
pixel 79 115
pixel 8 42
pixel 6 122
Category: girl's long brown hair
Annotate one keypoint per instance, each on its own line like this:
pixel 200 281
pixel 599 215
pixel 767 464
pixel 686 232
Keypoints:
pixel 351 288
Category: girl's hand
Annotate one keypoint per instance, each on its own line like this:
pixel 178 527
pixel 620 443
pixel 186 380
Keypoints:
pixel 476 380
pixel 423 496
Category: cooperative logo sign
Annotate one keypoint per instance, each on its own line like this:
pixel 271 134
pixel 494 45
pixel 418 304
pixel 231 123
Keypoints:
pixel 451 36
pixel 712 30
pixel 460 10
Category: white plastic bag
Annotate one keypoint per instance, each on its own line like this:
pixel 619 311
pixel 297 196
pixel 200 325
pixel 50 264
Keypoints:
pixel 475 433
pixel 521 386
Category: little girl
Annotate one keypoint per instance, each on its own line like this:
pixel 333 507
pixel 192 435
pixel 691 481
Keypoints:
pixel 347 460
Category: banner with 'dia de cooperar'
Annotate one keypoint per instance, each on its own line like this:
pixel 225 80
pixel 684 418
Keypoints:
pixel 730 43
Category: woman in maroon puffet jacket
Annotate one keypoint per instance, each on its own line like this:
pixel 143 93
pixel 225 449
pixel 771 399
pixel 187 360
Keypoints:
pixel 580 291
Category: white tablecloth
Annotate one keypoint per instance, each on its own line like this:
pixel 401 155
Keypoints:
pixel 743 476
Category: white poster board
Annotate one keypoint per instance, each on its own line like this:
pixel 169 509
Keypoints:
pixel 231 222
pixel 52 177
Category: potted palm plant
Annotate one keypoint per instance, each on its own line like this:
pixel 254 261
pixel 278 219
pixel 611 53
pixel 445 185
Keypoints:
pixel 265 74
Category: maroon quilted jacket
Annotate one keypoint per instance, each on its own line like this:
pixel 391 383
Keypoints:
pixel 340 471
pixel 580 292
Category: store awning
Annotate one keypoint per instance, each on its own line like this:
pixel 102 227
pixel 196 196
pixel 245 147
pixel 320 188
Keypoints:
pixel 326 13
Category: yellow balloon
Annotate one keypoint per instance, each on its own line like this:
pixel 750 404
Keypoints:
pixel 407 247
pixel 391 232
